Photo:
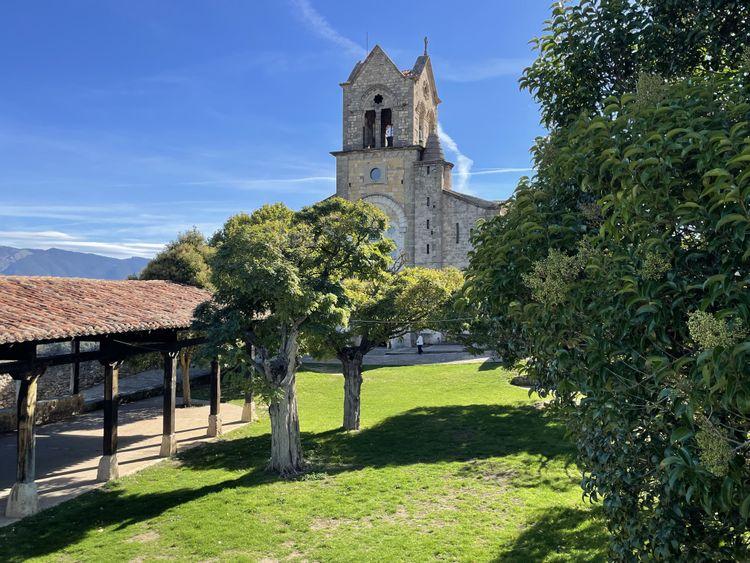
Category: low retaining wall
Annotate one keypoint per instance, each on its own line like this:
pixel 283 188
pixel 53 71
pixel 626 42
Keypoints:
pixel 48 410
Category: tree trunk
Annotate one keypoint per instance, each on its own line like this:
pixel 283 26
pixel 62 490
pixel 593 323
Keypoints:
pixel 286 446
pixel 352 367
pixel 185 355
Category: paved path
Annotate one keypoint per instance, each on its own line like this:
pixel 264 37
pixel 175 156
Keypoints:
pixel 67 453
pixel 437 354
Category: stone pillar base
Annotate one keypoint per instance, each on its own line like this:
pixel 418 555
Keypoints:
pixel 214 425
pixel 23 501
pixel 108 468
pixel 168 445
pixel 249 413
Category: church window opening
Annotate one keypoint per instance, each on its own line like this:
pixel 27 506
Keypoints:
pixel 378 99
pixel 458 233
pixel 428 249
pixel 428 223
pixel 428 201
pixel 368 130
pixel 376 174
pixel 386 127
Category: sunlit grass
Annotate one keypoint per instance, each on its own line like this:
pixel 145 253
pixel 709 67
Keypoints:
pixel 452 463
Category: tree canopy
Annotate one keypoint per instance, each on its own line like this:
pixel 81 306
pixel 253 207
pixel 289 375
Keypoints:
pixel 377 309
pixel 185 261
pixel 272 272
pixel 619 274
pixel 594 49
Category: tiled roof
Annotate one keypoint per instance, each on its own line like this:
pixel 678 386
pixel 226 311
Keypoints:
pixel 479 202
pixel 48 308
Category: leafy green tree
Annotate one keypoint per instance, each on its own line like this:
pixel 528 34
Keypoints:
pixel 184 261
pixel 618 273
pixel 275 272
pixel 379 309
pixel 594 49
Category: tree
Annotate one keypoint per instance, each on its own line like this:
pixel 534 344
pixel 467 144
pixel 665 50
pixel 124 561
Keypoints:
pixel 620 273
pixel 388 306
pixel 184 261
pixel 594 49
pixel 273 272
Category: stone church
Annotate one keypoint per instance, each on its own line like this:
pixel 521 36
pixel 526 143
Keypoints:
pixel 392 158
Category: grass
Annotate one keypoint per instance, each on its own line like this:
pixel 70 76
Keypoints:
pixel 452 463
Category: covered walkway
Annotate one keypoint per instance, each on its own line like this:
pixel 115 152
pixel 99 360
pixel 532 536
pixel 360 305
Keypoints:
pixel 67 453
pixel 118 320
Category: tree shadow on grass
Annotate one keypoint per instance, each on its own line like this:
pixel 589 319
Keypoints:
pixel 569 533
pixel 422 435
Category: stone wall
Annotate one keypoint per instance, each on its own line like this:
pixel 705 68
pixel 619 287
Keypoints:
pixel 466 214
pixel 378 76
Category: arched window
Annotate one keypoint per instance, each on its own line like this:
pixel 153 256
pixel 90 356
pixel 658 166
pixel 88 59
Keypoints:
pixel 368 131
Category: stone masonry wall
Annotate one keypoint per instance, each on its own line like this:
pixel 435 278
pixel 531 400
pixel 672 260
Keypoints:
pixel 428 188
pixel 378 76
pixel 466 214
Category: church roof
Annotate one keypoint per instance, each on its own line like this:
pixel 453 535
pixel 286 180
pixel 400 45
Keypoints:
pixel 478 201
pixel 433 151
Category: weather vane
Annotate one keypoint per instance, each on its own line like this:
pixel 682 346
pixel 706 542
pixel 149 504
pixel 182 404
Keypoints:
pixel 425 45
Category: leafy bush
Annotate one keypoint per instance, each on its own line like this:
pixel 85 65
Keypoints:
pixel 621 272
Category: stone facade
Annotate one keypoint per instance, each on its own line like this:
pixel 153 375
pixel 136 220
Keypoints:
pixel 406 176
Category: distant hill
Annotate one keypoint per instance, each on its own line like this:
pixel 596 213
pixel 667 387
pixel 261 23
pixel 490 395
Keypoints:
pixel 66 263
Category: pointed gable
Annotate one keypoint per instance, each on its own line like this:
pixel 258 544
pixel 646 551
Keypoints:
pixel 376 57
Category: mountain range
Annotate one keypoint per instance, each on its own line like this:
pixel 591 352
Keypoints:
pixel 66 263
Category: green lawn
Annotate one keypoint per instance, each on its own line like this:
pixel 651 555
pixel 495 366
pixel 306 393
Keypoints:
pixel 452 463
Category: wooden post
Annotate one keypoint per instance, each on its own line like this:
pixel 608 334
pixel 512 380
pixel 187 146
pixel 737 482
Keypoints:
pixel 23 500
pixel 168 440
pixel 108 468
pixel 214 417
pixel 76 367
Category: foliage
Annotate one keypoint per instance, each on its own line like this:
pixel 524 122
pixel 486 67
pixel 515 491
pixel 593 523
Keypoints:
pixel 476 448
pixel 621 273
pixel 275 272
pixel 594 49
pixel 387 306
pixel 185 261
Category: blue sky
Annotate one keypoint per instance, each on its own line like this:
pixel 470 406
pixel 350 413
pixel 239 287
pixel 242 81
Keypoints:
pixel 123 123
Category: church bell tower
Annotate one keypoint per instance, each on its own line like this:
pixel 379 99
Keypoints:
pixel 389 118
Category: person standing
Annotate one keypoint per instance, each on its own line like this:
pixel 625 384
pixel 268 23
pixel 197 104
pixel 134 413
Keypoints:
pixel 420 343
pixel 389 135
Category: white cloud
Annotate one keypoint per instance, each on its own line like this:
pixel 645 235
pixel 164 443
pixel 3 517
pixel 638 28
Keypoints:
pixel 65 241
pixel 320 26
pixel 462 171
pixel 482 70
pixel 488 171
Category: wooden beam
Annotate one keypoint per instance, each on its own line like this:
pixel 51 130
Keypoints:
pixel 108 466
pixel 114 349
pixel 214 417
pixel 23 500
pixel 168 440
